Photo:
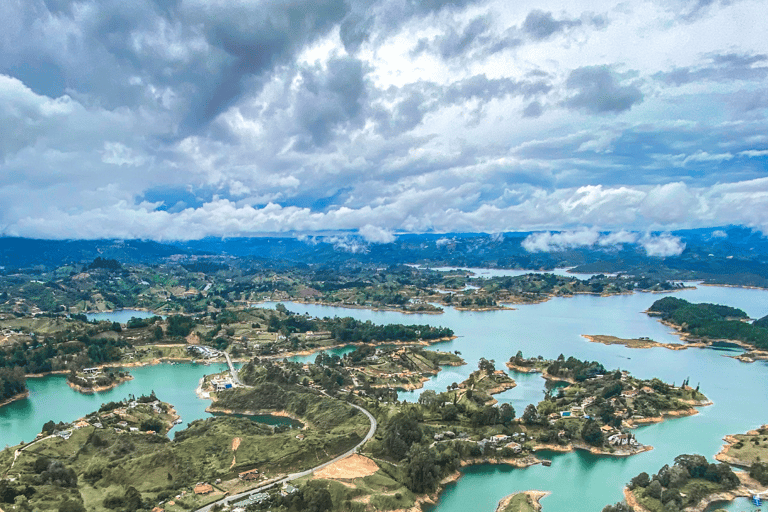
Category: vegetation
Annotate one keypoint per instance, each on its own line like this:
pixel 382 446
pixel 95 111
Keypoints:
pixel 710 321
pixel 682 485
pixel 12 383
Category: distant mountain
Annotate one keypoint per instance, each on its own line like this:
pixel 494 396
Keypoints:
pixel 729 255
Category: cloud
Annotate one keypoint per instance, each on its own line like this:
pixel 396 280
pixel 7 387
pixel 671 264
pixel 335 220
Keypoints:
pixel 376 235
pixel 172 120
pixel 541 25
pixel 726 67
pixel 662 246
pixel 548 242
pixel 598 89
pixel 654 245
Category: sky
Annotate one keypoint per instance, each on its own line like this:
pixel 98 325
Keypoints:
pixel 181 119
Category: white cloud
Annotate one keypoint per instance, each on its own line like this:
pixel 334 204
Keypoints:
pixel 662 245
pixel 376 235
pixel 548 242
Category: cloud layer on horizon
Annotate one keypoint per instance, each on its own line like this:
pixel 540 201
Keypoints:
pixel 177 120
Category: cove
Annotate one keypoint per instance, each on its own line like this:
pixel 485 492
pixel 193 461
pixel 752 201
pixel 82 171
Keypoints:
pixel 51 399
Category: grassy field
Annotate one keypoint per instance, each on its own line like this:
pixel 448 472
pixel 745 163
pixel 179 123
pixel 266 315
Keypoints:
pixel 752 447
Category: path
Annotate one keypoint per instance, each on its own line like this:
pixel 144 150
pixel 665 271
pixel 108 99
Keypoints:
pixel 18 451
pixel 294 476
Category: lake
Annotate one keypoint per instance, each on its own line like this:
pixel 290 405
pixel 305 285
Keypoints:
pixel 120 316
pixel 578 481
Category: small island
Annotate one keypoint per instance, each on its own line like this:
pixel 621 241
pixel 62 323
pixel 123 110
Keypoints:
pixel 527 501
pixel 95 380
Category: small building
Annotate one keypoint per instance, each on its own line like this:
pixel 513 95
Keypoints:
pixel 203 488
pixel 250 475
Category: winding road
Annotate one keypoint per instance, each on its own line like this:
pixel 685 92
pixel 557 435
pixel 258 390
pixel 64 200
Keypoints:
pixel 294 476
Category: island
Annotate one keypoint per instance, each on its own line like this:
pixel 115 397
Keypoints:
pixel 94 380
pixel 691 483
pixel 527 501
pixel 701 325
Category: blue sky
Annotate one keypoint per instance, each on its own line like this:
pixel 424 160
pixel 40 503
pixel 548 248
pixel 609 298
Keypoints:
pixel 178 119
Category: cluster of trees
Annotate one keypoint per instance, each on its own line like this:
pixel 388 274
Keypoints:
pixel 348 329
pixel 676 487
pixel 712 321
pixel 58 354
pixel 759 471
pixel 180 325
pixel 12 382
pixel 575 369
pixel 106 263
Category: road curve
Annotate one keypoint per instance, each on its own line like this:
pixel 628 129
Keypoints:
pixel 294 476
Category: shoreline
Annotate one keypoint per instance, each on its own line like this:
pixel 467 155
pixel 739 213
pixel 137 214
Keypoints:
pixel 533 496
pixel 347 306
pixel 14 398
pixel 730 440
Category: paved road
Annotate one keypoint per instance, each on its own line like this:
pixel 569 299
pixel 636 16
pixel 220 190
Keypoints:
pixel 294 476
pixel 232 371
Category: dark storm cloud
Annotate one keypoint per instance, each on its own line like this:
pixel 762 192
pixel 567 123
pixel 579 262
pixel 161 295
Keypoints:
pixel 598 89
pixel 721 68
pixel 540 25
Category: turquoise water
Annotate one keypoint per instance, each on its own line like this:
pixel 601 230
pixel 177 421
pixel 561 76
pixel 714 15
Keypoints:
pixel 581 481
pixel 120 315
pixel 578 481
pixel 51 399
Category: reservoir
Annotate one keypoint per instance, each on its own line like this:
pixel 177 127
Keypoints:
pixel 578 481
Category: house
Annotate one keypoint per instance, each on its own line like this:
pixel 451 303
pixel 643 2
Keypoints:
pixel 515 447
pixel 203 488
pixel 606 429
pixel 250 475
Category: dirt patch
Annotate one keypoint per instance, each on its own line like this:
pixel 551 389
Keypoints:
pixel 236 443
pixel 354 466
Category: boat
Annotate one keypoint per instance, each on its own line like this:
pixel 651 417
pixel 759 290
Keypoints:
pixel 757 500
pixel 546 462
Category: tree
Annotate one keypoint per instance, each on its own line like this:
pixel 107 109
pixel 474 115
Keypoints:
pixel 428 399
pixel 506 413
pixel 487 366
pixel 654 490
pixel 530 415
pixel 591 433
pixel 422 472
pixel 641 480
